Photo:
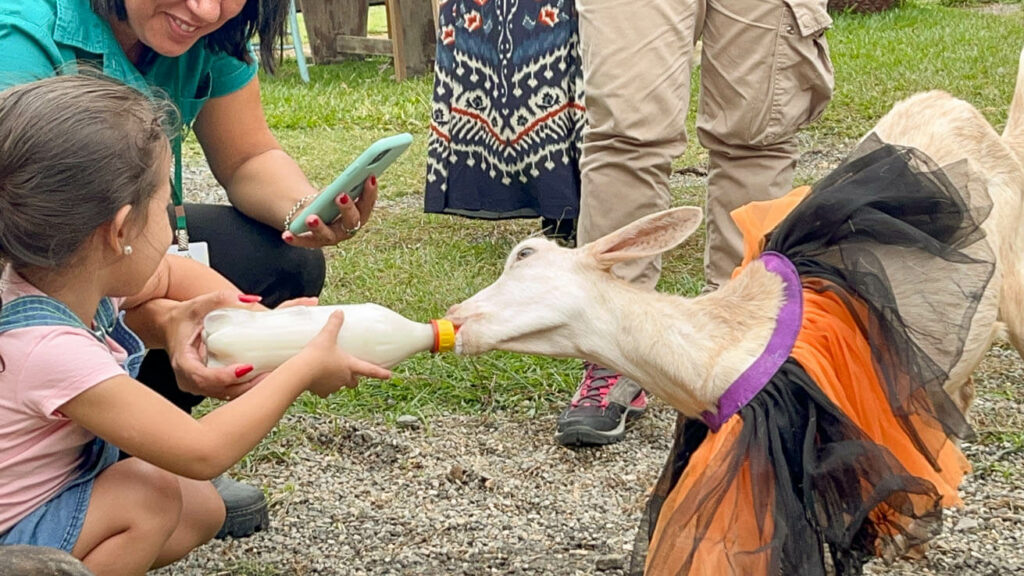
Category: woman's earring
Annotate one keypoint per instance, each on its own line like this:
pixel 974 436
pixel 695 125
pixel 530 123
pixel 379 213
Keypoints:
pixel 127 250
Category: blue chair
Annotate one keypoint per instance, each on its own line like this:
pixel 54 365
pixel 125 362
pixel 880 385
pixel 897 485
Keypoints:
pixel 300 55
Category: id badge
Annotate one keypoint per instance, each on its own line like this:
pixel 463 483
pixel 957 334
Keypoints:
pixel 198 251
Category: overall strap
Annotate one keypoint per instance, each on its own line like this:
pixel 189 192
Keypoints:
pixel 177 195
pixel 36 310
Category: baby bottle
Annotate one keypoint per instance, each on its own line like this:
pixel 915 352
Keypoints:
pixel 266 339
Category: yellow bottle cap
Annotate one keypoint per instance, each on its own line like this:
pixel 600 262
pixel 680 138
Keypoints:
pixel 444 335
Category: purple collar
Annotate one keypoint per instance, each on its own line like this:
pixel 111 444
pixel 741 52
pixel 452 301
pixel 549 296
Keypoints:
pixel 787 326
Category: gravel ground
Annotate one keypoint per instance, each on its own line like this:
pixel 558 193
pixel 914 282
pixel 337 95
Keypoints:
pixel 494 494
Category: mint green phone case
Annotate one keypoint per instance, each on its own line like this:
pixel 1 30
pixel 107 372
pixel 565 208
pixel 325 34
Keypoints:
pixel 373 161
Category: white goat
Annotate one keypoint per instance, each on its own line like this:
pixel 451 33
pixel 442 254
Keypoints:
pixel 690 351
pixel 555 301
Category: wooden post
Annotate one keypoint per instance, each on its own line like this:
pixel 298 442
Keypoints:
pixel 413 36
pixel 328 19
pixel 337 28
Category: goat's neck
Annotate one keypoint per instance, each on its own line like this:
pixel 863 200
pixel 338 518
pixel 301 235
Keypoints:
pixel 687 351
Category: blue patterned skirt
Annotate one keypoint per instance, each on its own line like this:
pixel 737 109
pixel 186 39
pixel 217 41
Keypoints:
pixel 507 116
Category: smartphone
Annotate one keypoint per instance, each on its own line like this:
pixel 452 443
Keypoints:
pixel 373 161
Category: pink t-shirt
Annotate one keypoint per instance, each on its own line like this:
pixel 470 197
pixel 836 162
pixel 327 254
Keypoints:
pixel 45 367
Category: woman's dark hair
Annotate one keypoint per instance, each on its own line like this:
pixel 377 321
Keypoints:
pixel 265 18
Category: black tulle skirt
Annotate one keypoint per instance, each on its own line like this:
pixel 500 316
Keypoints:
pixel 848 452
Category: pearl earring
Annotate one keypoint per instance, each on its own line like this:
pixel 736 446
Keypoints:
pixel 127 250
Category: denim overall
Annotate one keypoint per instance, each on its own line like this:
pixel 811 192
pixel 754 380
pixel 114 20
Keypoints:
pixel 57 523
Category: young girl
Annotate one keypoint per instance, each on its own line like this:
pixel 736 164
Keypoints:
pixel 83 229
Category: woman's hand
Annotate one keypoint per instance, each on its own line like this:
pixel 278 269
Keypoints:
pixel 353 216
pixel 187 352
pixel 332 368
pixel 300 301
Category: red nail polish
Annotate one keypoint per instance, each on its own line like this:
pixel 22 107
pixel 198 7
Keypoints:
pixel 288 237
pixel 249 298
pixel 313 222
pixel 344 199
pixel 243 370
pixel 373 180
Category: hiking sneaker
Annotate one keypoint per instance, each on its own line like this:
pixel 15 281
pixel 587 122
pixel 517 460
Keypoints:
pixel 598 413
pixel 246 508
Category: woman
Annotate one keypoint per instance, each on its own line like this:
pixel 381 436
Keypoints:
pixel 197 53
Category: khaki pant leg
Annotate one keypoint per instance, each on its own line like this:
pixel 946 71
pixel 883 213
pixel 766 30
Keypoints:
pixel 762 79
pixel 636 74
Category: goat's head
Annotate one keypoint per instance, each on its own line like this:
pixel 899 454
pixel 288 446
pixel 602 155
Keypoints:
pixel 543 300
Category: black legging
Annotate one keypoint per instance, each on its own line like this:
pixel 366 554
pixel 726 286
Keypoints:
pixel 252 256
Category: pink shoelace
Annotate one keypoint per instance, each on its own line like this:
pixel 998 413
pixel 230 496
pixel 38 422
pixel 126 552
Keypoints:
pixel 597 381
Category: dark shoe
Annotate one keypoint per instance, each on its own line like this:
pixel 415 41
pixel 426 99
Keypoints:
pixel 563 230
pixel 246 508
pixel 598 413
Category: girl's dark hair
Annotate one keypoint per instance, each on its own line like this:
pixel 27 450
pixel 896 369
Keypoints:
pixel 263 17
pixel 74 149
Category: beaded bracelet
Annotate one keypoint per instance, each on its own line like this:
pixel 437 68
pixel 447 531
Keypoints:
pixel 298 206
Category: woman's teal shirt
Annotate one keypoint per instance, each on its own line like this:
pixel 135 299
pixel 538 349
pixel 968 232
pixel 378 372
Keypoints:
pixel 40 38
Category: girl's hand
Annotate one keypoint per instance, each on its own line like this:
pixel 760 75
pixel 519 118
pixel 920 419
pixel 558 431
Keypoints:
pixel 187 352
pixel 353 216
pixel 332 367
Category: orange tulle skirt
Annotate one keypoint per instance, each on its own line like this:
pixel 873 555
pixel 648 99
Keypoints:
pixel 720 516
pixel 835 355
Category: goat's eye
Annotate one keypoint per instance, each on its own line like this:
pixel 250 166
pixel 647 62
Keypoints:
pixel 525 252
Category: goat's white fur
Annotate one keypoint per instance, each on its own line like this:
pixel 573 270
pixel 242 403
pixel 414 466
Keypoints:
pixel 563 302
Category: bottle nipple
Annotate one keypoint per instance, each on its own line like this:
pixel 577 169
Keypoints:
pixel 444 335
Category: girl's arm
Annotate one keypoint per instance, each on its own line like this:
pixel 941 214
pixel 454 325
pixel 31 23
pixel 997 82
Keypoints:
pixel 179 278
pixel 150 312
pixel 260 178
pixel 142 423
pixel 180 333
pixel 168 314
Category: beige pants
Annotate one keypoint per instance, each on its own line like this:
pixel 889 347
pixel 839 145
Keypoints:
pixel 765 72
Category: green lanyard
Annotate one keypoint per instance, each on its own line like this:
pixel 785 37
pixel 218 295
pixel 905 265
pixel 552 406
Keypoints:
pixel 180 225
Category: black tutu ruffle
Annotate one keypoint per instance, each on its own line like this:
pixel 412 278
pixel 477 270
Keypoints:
pixel 824 467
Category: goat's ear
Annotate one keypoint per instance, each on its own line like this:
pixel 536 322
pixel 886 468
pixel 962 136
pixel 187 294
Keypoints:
pixel 646 237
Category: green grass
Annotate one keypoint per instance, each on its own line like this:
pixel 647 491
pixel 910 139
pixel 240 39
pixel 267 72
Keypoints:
pixel 976 3
pixel 882 58
pixel 420 264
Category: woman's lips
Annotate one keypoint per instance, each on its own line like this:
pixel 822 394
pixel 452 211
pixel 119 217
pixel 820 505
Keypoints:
pixel 182 27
